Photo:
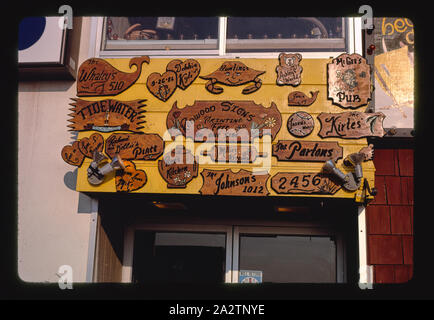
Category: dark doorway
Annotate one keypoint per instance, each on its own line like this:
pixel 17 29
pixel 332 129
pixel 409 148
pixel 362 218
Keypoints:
pixel 178 257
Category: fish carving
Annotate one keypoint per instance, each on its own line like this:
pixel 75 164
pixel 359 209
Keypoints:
pixel 97 77
pixel 298 98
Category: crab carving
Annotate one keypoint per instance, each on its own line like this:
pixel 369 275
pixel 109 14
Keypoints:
pixel 233 73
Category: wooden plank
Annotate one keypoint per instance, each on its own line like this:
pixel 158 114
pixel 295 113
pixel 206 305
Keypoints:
pixel 384 274
pixel 314 78
pixel 403 273
pixel 384 249
pixel 406 162
pixel 314 70
pixel 97 77
pixel 400 220
pixel 378 219
pixel 108 267
pixel 407 190
pixel 407 246
pixel 393 190
pixel 384 160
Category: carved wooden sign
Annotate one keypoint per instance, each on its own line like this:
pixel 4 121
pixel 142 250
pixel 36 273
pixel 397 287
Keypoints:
pixel 178 73
pixel 130 179
pixel 133 146
pixel 351 124
pixel 72 154
pixel 349 81
pixel 178 168
pixel 289 69
pixel 300 124
pixel 313 151
pixel 226 182
pixel 227 115
pixel 233 153
pixel 233 73
pixel 162 85
pixel 107 115
pixel 298 98
pixel 303 182
pixel 97 77
pixel 88 145
pixel 186 72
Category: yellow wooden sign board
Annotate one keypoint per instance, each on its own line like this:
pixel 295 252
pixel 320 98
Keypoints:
pixel 313 79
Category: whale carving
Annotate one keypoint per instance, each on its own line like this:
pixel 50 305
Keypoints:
pixel 298 98
pixel 97 77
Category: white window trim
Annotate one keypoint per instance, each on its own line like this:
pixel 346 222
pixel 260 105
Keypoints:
pixel 366 277
pixel 220 52
pixel 91 250
pixel 127 268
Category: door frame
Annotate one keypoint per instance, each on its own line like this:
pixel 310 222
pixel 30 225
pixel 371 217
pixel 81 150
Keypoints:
pixel 233 229
pixel 127 269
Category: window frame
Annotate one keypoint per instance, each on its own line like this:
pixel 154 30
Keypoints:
pixel 290 231
pixel 233 230
pixel 127 269
pixel 353 43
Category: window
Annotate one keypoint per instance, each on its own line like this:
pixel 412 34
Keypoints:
pixel 285 258
pixel 160 33
pixel 179 257
pixel 221 35
pixel 283 34
pixel 211 254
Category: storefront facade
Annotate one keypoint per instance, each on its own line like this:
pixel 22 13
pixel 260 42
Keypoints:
pixel 223 158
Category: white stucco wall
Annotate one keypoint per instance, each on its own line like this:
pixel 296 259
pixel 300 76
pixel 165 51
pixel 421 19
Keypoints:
pixel 53 219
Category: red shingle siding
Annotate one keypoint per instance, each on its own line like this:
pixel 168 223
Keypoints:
pixel 378 220
pixel 400 219
pixel 385 249
pixel 389 217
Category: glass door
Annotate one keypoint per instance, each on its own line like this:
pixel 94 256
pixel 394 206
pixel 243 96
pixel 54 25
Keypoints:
pixel 169 254
pixel 212 254
pixel 286 255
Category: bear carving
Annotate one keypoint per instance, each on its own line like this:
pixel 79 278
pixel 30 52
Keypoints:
pixel 289 69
